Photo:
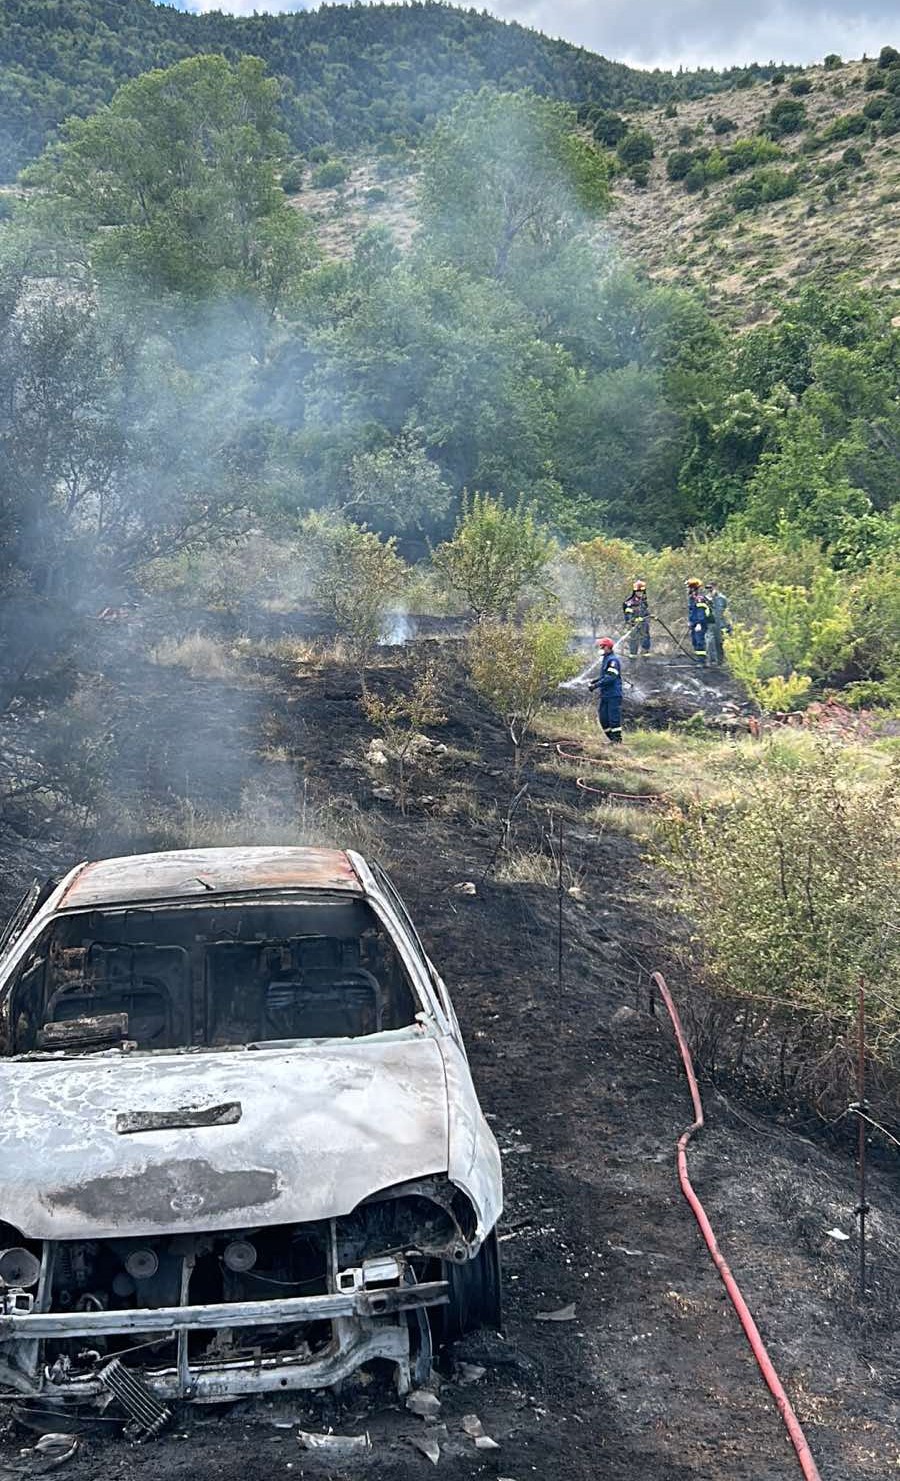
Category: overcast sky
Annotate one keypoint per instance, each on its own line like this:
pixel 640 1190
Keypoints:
pixel 669 33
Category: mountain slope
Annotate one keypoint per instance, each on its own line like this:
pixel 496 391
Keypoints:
pixel 839 171
pixel 353 74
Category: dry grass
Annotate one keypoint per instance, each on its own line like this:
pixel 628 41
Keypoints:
pixel 531 866
pixel 203 657
pixel 744 263
pixel 263 817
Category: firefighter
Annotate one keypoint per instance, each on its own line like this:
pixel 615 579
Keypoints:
pixel 609 683
pixel 637 619
pixel 699 618
pixel 719 624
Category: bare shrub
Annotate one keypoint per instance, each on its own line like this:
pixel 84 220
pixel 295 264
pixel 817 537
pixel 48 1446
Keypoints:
pixel 401 720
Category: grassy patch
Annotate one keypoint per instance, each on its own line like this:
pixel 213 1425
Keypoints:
pixel 203 657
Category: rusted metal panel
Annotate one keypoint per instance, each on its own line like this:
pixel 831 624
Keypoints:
pixel 205 873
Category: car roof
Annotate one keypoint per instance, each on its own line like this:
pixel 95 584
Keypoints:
pixel 205 873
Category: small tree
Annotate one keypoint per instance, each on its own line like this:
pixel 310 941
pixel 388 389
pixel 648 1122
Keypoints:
pixel 593 577
pixel 399 484
pixel 495 553
pixel 354 576
pixel 401 721
pixel 515 669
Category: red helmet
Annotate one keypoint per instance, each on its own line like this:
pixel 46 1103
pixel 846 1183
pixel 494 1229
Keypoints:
pixel 605 643
pixel 639 586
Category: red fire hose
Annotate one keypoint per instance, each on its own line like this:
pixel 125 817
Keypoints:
pixel 785 1409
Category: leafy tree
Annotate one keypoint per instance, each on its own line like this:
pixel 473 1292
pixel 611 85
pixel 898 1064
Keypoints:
pixel 399 485
pixel 508 177
pixel 175 180
pixel 516 669
pixel 590 577
pixel 355 576
pixel 496 553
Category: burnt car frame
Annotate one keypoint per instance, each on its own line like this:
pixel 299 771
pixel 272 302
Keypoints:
pixel 240 1147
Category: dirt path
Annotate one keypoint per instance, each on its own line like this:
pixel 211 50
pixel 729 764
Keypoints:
pixel 651 1380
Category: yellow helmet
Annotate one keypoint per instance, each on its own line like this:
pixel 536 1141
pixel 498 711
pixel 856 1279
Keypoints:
pixel 692 581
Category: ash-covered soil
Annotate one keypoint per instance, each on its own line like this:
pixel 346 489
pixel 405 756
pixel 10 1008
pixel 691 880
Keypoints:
pixel 652 1379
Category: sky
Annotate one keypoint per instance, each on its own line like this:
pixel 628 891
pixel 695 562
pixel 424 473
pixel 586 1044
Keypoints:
pixel 690 33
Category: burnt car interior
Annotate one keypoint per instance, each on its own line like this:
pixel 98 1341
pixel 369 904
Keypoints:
pixel 235 974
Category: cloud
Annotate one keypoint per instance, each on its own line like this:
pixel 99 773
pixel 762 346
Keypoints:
pixel 692 33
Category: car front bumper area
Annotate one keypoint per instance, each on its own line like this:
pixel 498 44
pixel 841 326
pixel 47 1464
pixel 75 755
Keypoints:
pixel 365 1324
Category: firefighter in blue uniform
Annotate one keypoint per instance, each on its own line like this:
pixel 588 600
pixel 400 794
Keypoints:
pixel 637 619
pixel 609 683
pixel 699 618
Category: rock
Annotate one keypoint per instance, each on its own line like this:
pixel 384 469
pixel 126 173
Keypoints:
pixel 424 1403
pixel 623 1016
pixel 465 887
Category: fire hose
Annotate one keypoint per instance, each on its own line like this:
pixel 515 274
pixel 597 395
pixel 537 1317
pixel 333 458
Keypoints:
pixel 773 1382
pixel 649 799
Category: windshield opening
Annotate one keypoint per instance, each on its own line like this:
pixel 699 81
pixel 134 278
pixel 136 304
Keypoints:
pixel 214 976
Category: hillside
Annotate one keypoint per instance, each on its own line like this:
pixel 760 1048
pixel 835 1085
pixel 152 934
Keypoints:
pixel 841 219
pixel 352 74
pixel 842 166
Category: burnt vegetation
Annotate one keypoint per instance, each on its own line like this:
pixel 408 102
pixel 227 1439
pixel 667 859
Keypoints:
pixel 301 549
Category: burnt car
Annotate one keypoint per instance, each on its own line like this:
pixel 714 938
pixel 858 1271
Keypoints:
pixel 240 1148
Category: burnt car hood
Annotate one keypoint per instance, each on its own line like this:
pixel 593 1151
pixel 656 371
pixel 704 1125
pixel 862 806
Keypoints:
pixel 296 1134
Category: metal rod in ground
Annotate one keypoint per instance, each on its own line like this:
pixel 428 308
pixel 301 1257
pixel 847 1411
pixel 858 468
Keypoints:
pixel 559 902
pixel 863 1208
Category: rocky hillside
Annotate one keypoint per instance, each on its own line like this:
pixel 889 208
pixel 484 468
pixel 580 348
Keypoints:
pixel 820 199
pixel 733 205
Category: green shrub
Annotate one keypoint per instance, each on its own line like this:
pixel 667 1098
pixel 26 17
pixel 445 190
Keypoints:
pixel 801 86
pixel 788 116
pixel 833 62
pixel 695 179
pixel 516 669
pixel 639 172
pixel 893 81
pixel 744 154
pixel 776 79
pixel 686 135
pixel 375 195
pixel 292 177
pixel 790 908
pixel 329 175
pixel 847 126
pixel 671 109
pixel 888 57
pixel 679 162
pixel 852 158
pixel 875 80
pixel 763 187
pixel 635 147
pixel 318 154
pixel 890 121
pixel 608 128
pixel 876 106
pixel 723 125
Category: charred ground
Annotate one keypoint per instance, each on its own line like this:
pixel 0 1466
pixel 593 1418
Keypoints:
pixel 651 1379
